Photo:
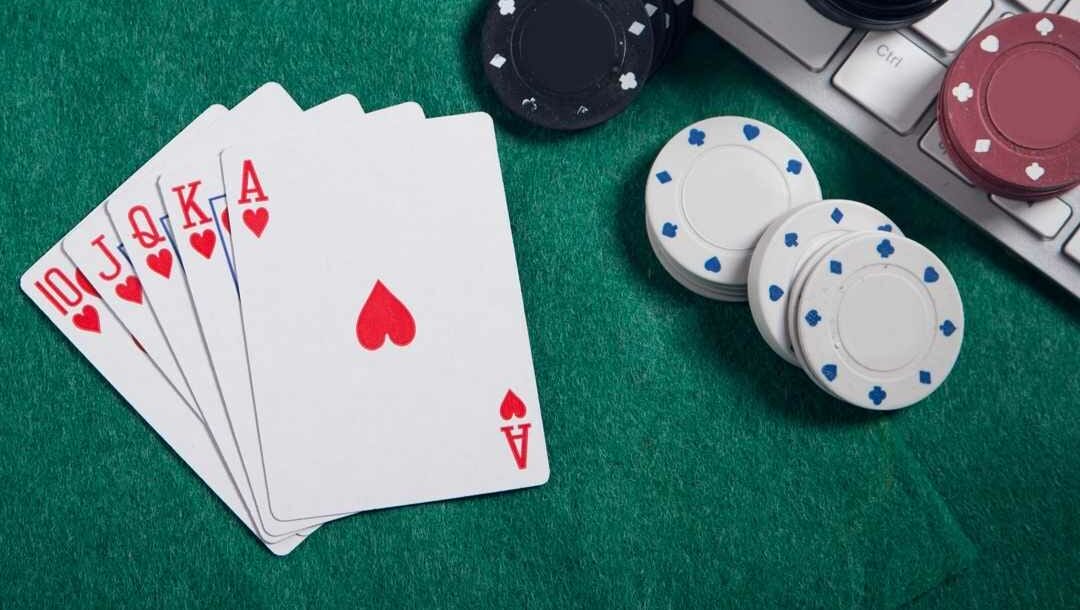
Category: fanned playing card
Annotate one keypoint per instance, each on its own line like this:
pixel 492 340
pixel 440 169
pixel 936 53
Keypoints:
pixel 385 329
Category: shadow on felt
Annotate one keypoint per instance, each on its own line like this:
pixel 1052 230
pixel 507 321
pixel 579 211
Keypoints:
pixel 727 329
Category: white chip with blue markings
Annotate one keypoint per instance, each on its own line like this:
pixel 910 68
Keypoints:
pixel 880 322
pixel 716 186
pixel 785 246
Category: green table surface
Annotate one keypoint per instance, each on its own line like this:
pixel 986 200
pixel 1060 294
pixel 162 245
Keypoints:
pixel 690 466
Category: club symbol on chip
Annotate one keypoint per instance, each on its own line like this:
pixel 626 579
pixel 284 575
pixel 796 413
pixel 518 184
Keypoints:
pixel 530 104
pixel 963 92
pixel 506 7
pixel 813 317
pixel 1035 171
pixel 794 167
pixel 947 328
pixel 791 240
pixel 628 81
pixel 1044 26
pixel 885 248
pixel 990 44
pixel 582 111
pixel 697 137
pixel 877 395
pixel 713 264
pixel 886 228
pixel 669 229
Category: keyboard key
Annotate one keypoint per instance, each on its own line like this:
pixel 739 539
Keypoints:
pixel 932 145
pixel 1072 249
pixel 1034 5
pixel 1072 9
pixel 949 26
pixel 892 78
pixel 794 26
pixel 1044 217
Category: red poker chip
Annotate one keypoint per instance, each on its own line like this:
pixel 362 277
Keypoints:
pixel 1009 109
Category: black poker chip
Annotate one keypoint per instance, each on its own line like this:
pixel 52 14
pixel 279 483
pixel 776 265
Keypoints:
pixel 567 64
pixel 661 27
pixel 876 14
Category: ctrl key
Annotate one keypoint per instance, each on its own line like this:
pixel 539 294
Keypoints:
pixel 892 78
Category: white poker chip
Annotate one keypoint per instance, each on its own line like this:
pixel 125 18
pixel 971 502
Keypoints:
pixel 786 245
pixel 716 186
pixel 718 293
pixel 880 322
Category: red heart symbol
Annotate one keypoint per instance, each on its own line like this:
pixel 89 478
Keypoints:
pixel 85 283
pixel 87 320
pixel 256 220
pixel 203 242
pixel 383 315
pixel 225 220
pixel 511 406
pixel 130 290
pixel 160 262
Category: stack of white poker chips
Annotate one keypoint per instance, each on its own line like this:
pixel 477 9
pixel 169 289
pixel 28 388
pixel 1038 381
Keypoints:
pixel 712 190
pixel 733 213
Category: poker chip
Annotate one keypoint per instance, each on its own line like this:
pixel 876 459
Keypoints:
pixel 712 191
pixel 876 14
pixel 567 64
pixel 880 321
pixel 785 246
pixel 1008 112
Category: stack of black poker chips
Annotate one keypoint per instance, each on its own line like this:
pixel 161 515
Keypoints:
pixel 876 14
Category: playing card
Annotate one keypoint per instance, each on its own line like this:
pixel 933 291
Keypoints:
pixel 52 283
pixel 148 235
pixel 385 329
pixel 195 192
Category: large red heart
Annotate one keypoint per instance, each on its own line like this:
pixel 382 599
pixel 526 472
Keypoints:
pixel 225 220
pixel 511 406
pixel 256 220
pixel 85 284
pixel 160 262
pixel 204 242
pixel 87 320
pixel 382 316
pixel 130 290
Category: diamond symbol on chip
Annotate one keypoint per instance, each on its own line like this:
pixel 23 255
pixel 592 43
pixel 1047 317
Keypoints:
pixel 982 145
pixel 1035 171
pixel 836 215
pixel 497 61
pixel 963 92
pixel 1044 26
pixel 506 7
pixel 636 28
pixel 628 81
pixel 529 103
pixel 990 44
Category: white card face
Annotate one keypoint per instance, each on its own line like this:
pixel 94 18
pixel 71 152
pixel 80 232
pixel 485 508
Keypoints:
pixel 94 249
pixel 83 319
pixel 196 192
pixel 147 234
pixel 385 329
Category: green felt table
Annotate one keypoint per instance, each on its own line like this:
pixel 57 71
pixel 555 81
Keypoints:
pixel 690 466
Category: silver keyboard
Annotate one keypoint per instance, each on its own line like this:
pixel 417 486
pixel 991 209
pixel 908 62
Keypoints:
pixel 881 87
